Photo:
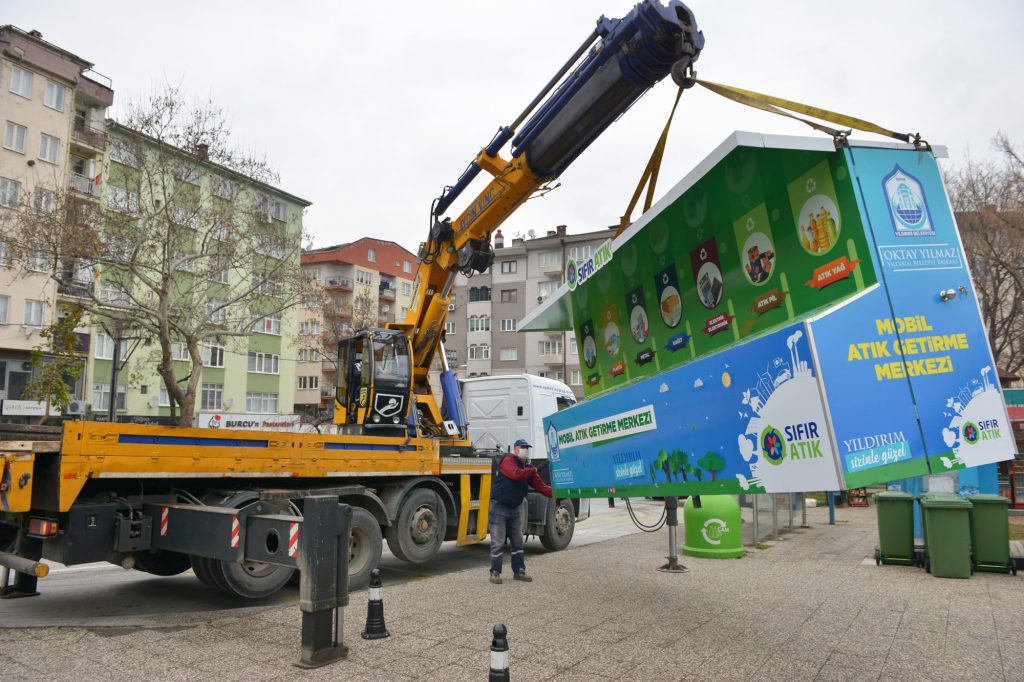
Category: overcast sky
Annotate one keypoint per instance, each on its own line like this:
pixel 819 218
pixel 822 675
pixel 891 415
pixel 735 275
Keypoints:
pixel 368 109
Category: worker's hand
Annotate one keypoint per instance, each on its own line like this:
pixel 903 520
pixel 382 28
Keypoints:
pixel 530 470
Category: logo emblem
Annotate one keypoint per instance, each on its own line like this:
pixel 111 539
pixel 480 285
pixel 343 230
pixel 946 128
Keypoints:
pixel 908 207
pixel 773 445
pixel 387 405
pixel 214 422
pixel 713 530
pixel 971 433
pixel 570 274
pixel 553 454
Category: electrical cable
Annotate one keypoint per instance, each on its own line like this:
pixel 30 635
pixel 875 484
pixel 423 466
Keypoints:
pixel 658 525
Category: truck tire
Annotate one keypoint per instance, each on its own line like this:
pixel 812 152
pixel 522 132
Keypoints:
pixel 162 563
pixel 559 526
pixel 364 548
pixel 250 579
pixel 418 532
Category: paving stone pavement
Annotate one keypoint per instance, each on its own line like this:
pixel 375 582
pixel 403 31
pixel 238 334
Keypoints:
pixel 806 608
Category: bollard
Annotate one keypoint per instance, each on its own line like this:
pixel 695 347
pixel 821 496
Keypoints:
pixel 499 655
pixel 672 522
pixel 755 528
pixel 831 508
pixel 375 609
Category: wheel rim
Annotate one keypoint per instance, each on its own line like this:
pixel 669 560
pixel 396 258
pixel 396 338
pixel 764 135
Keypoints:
pixel 423 526
pixel 562 520
pixel 358 551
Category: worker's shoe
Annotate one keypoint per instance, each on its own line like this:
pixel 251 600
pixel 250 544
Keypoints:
pixel 495 577
pixel 521 575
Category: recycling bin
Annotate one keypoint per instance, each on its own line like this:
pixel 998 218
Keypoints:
pixel 990 533
pixel 895 528
pixel 713 530
pixel 947 534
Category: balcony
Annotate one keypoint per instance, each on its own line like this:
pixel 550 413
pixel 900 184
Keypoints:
pixel 552 270
pixel 85 135
pixel 338 284
pixel 84 185
pixel 96 88
pixel 387 293
pixel 327 366
pixel 72 288
pixel 555 358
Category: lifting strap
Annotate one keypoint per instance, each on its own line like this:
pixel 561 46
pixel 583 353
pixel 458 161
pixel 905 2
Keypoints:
pixel 776 105
pixel 650 172
pixel 769 103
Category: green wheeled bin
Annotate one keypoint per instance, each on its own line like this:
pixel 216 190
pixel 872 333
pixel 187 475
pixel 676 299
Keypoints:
pixel 895 528
pixel 947 535
pixel 990 534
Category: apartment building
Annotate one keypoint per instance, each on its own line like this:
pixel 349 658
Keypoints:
pixel 53 107
pixel 365 283
pixel 481 337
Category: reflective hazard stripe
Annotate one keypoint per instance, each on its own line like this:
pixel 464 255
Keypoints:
pixel 234 531
pixel 293 539
pixel 163 522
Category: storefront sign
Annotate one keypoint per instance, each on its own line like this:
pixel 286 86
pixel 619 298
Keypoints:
pixel 248 422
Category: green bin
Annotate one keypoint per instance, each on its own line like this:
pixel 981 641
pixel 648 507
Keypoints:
pixel 947 534
pixel 990 533
pixel 713 530
pixel 895 528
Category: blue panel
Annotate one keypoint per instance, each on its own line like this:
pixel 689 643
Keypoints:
pixel 196 442
pixel 368 446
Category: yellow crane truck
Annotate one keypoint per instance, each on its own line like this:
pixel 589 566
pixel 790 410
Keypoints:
pixel 400 455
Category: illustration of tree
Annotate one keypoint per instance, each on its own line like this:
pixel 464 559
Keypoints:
pixel 56 365
pixel 699 473
pixel 663 463
pixel 712 462
pixel 652 471
pixel 682 463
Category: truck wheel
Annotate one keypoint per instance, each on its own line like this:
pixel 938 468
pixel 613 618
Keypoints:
pixel 559 525
pixel 251 579
pixel 419 530
pixel 364 548
pixel 162 563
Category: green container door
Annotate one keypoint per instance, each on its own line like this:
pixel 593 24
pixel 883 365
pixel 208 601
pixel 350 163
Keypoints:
pixel 714 530
pixel 990 533
pixel 895 528
pixel 947 535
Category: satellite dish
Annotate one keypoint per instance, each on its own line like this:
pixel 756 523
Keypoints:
pixel 531 234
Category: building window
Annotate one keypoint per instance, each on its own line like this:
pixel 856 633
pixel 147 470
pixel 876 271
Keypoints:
pixel 508 267
pixel 268 245
pixel 549 258
pixel 53 96
pixel 21 82
pixel 308 383
pixel 5 306
pixel 49 148
pixel 406 289
pixel 33 313
pixel 43 200
pixel 545 289
pixel 219 266
pixel 479 323
pixel 309 327
pixel 509 295
pixel 406 266
pixel 213 354
pixel 271 324
pixel 179 351
pixel 164 398
pixel 122 152
pixel 363 277
pixel 508 324
pixel 371 255
pixel 105 347
pixel 580 253
pixel 120 199
pixel 264 363
pixel 223 188
pixel 572 346
pixel 509 354
pixel 479 294
pixel 576 377
pixel 101 397
pixel 211 397
pixel 559 376
pixel 449 328
pixel 38 261
pixel 263 403
pixel 549 347
pixel 10 192
pixel 14 137
pixel 480 352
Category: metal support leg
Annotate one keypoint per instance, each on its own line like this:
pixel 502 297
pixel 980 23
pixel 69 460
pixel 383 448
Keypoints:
pixel 672 523
pixel 792 510
pixel 831 508
pixel 775 517
pixel 29 551
pixel 755 528
pixel 323 586
pixel 803 511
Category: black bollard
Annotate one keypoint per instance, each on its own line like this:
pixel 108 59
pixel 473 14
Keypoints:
pixel 672 522
pixel 375 609
pixel 499 655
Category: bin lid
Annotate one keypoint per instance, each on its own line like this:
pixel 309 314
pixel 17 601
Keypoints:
pixel 893 495
pixel 945 501
pixel 989 499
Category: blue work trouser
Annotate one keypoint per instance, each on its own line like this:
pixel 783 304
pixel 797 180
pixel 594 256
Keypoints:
pixel 505 521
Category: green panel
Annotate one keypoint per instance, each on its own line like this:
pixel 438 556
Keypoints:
pixel 263 383
pixel 213 375
pixel 756 243
pixel 265 343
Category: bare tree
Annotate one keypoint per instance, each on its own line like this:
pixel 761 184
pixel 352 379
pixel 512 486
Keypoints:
pixel 988 199
pixel 189 245
pixel 56 364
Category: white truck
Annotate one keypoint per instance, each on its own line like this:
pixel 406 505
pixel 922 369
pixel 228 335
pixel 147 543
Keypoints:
pixel 503 409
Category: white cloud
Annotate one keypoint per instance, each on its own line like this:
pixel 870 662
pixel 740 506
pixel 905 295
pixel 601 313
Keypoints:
pixel 698 383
